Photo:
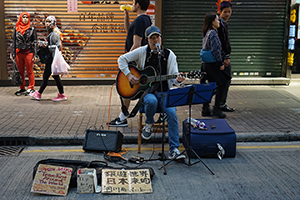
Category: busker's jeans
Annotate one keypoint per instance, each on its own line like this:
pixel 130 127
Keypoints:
pixel 151 102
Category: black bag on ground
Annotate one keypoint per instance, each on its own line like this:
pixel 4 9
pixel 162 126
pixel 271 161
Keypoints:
pixel 75 165
pixel 102 140
pixel 16 77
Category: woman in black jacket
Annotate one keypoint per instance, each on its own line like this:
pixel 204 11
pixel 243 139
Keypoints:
pixel 24 51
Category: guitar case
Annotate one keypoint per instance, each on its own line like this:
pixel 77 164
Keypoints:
pixel 205 142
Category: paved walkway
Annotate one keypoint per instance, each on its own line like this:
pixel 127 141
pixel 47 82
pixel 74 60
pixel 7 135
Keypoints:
pixel 263 113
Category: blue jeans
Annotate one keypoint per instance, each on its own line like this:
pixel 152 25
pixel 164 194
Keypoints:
pixel 151 103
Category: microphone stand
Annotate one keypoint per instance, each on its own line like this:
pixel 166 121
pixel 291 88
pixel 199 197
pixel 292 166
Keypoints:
pixel 163 157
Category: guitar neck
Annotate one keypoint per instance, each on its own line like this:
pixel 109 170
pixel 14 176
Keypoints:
pixel 163 78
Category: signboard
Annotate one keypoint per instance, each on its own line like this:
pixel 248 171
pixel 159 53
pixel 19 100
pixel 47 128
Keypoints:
pixel 126 181
pixel 151 12
pixel 87 181
pixel 292 35
pixel 72 6
pixel 52 180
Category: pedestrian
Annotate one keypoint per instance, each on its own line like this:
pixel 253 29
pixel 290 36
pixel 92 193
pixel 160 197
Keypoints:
pixel 53 40
pixel 215 70
pixel 148 56
pixel 226 10
pixel 135 38
pixel 24 51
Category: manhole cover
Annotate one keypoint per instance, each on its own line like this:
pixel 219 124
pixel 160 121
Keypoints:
pixel 11 150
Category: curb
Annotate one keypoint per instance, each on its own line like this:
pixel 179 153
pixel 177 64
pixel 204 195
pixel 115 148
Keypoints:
pixel 74 141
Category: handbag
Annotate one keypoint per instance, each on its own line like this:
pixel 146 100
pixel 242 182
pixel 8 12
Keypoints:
pixel 16 77
pixel 102 140
pixel 206 55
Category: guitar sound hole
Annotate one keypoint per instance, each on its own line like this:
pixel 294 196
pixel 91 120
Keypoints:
pixel 143 80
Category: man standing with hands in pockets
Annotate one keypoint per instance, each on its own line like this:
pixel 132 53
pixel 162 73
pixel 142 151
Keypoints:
pixel 226 11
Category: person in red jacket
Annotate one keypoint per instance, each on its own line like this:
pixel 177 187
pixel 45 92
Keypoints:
pixel 24 51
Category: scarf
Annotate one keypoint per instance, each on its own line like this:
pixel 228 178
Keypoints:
pixel 20 26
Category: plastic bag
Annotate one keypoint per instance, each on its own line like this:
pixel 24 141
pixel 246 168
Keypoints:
pixel 59 65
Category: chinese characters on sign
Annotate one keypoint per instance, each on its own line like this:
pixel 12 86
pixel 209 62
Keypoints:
pixel 126 181
pixel 72 6
pixel 53 180
pixel 292 37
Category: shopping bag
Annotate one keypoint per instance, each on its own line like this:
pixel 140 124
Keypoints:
pixel 59 66
pixel 16 77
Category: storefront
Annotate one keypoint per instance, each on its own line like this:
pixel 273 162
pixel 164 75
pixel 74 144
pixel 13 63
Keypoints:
pixel 257 31
pixel 94 34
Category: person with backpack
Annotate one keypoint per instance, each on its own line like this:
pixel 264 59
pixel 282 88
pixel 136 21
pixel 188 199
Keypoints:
pixel 53 40
pixel 24 51
pixel 147 55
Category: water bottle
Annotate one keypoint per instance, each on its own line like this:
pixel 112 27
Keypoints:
pixel 126 7
pixel 193 122
pixel 198 124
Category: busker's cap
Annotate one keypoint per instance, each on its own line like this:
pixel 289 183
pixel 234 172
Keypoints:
pixel 152 30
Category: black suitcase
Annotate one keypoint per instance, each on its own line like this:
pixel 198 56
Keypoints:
pixel 206 143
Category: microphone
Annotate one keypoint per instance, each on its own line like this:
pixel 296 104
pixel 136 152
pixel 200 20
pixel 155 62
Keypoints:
pixel 157 47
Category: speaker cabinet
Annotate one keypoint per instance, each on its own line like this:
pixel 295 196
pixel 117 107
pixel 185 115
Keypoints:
pixel 103 140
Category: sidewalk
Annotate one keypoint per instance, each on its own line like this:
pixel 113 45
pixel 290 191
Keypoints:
pixel 263 113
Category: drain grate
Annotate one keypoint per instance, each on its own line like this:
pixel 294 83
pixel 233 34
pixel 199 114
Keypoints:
pixel 11 150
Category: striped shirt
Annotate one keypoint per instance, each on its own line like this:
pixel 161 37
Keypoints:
pixel 213 43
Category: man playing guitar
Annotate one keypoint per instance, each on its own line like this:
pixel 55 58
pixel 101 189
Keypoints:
pixel 148 56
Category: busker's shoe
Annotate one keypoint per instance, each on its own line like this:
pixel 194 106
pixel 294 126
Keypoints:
pixel 161 118
pixel 60 97
pixel 147 131
pixel 227 109
pixel 118 122
pixel 20 92
pixel 175 152
pixel 216 112
pixel 36 95
pixel 28 92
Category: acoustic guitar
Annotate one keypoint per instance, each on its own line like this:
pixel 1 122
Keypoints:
pixel 146 76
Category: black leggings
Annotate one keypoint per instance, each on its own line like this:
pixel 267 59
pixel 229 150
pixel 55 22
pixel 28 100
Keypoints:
pixel 214 74
pixel 46 75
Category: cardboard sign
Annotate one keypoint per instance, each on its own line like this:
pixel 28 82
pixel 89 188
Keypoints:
pixel 52 180
pixel 87 181
pixel 126 181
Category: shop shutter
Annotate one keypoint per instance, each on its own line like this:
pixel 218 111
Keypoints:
pixel 257 31
pixel 94 37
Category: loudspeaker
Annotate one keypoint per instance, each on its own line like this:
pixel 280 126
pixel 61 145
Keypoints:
pixel 103 140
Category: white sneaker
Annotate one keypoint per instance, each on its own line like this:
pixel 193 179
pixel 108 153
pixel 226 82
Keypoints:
pixel 147 131
pixel 175 152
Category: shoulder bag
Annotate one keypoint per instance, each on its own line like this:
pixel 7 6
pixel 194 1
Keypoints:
pixel 206 55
